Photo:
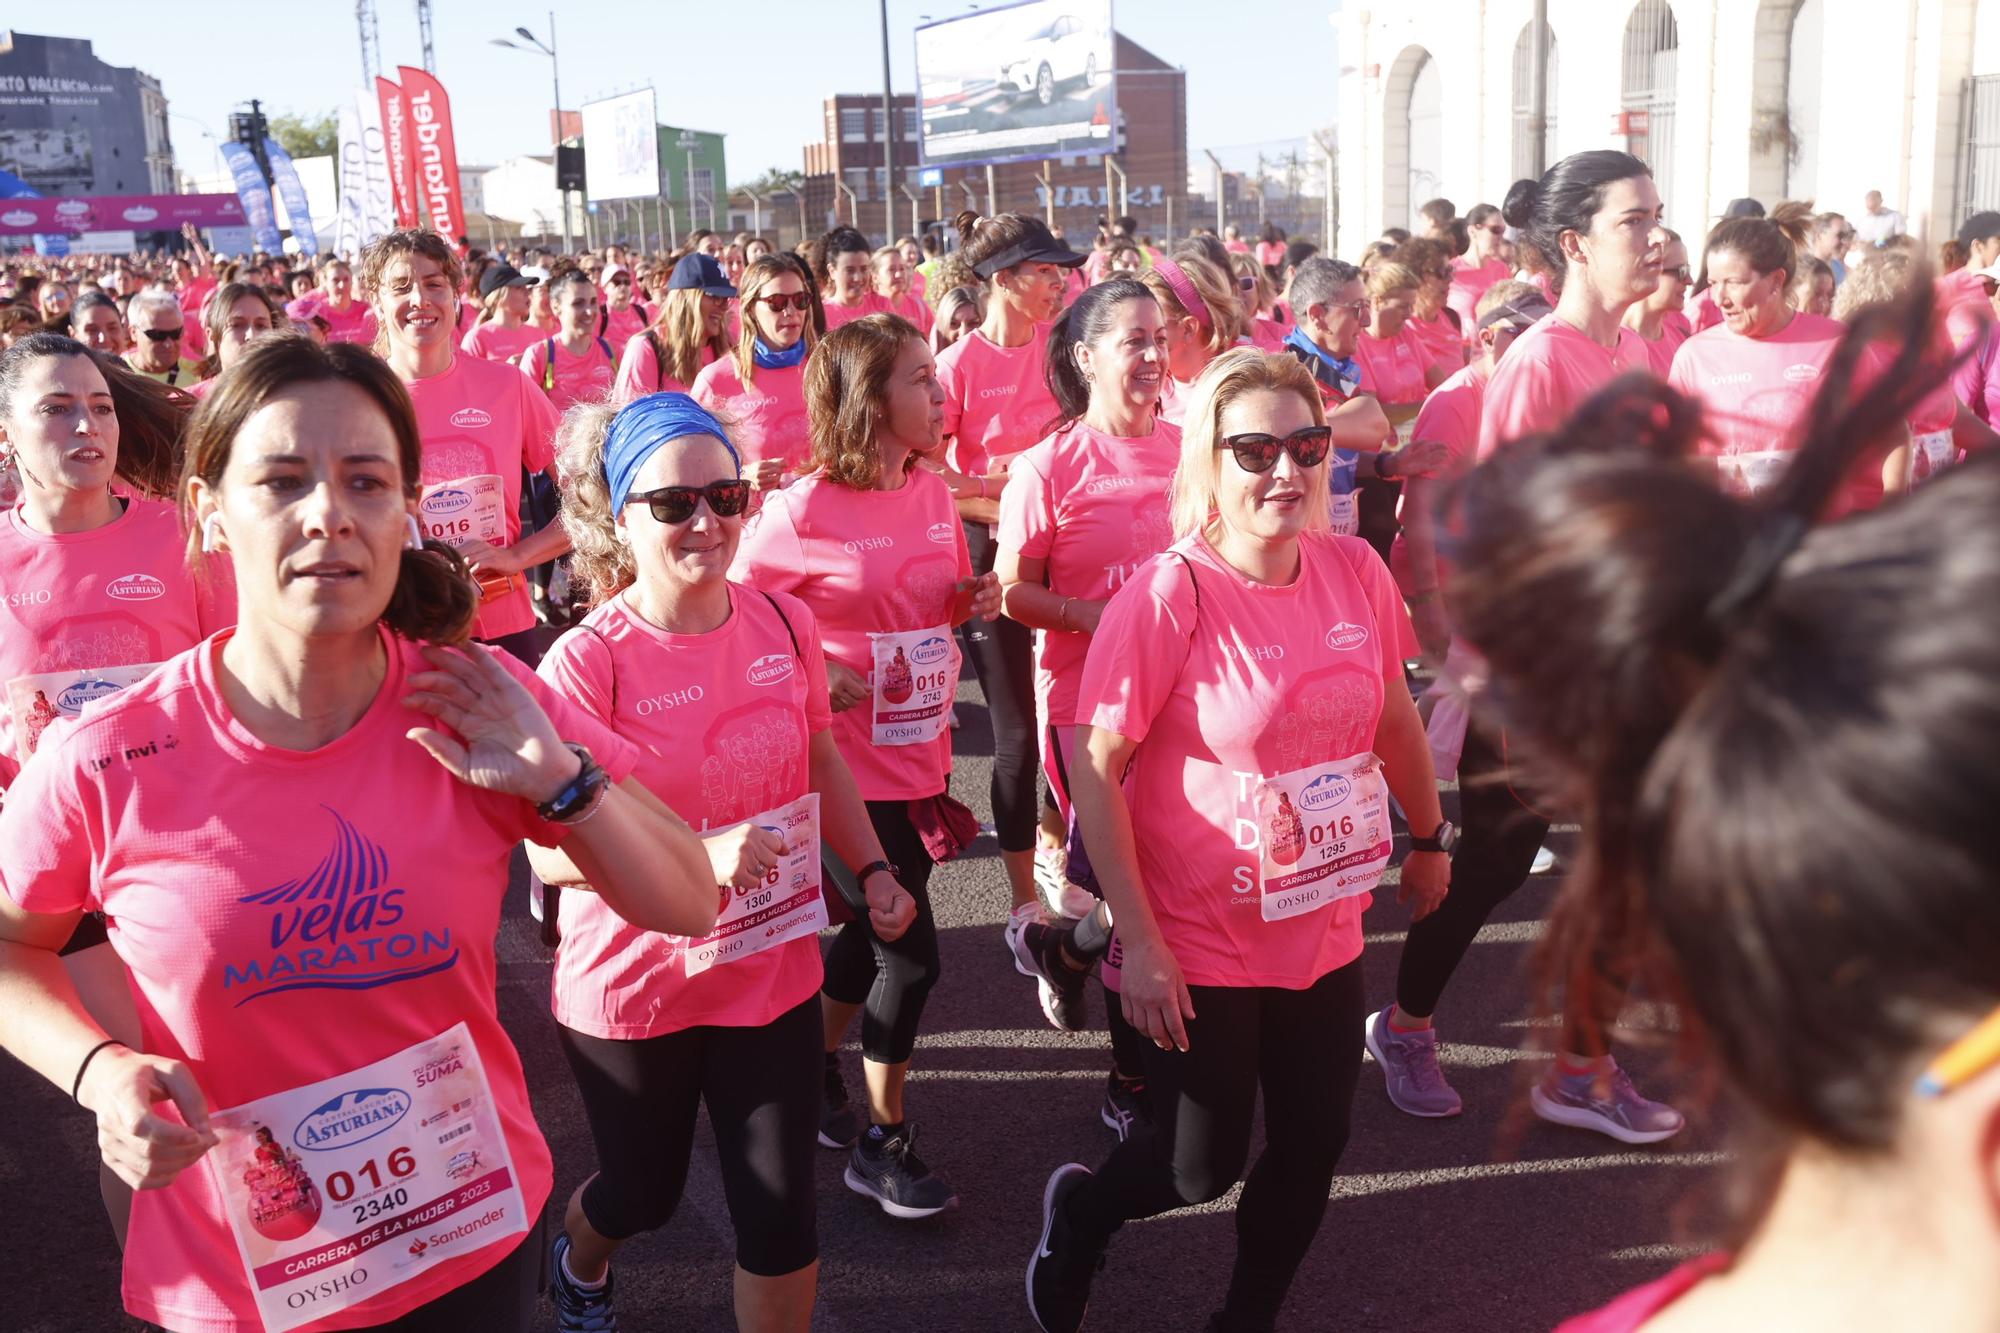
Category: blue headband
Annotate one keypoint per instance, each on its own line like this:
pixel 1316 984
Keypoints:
pixel 645 425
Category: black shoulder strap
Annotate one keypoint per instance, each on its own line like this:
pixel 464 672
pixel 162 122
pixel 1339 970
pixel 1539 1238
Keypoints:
pixel 790 633
pixel 659 353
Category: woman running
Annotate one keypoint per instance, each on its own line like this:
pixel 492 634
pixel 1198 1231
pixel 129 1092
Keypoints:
pixel 1203 314
pixel 844 268
pixel 503 332
pixel 687 336
pixel 724 692
pixel 1399 368
pixel 576 363
pixel 349 319
pixel 238 313
pixel 624 316
pixel 760 388
pixel 483 423
pixel 1697 639
pixel 869 542
pixel 997 404
pixel 1434 322
pixel 301 743
pixel 896 283
pixel 1657 319
pixel 960 310
pixel 1245 680
pixel 1479 267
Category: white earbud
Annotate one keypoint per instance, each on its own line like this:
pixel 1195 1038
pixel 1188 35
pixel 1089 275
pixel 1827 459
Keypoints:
pixel 415 538
pixel 211 532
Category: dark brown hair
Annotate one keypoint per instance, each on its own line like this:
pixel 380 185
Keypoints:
pixel 152 417
pixel 847 376
pixel 1769 245
pixel 435 598
pixel 1779 733
pixel 407 244
pixel 215 319
pixel 979 238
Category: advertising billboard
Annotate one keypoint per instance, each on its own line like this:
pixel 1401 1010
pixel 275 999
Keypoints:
pixel 1019 83
pixel 621 155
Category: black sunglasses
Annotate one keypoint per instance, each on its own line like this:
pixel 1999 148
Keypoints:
pixel 1258 451
pixel 675 504
pixel 164 335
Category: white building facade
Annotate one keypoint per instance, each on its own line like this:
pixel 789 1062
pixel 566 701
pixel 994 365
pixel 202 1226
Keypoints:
pixel 1771 99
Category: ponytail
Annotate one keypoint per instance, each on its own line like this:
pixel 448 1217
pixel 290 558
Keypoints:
pixel 436 598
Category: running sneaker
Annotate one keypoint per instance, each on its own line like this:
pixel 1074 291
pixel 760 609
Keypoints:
pixel 1061 1269
pixel 838 1125
pixel 890 1172
pixel 1021 916
pixel 1052 881
pixel 1609 1105
pixel 1125 1107
pixel 1063 991
pixel 579 1309
pixel 1409 1063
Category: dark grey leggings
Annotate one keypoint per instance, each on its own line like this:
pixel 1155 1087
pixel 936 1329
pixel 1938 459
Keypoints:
pixel 890 979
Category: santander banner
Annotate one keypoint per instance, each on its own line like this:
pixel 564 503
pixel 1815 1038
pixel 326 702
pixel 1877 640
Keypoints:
pixel 396 143
pixel 436 151
pixel 119 212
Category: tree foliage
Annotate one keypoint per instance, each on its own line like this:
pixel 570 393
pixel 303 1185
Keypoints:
pixel 307 136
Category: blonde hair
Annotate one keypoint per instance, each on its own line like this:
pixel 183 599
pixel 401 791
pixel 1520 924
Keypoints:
pixel 597 558
pixel 1216 290
pixel 948 305
pixel 679 330
pixel 1390 276
pixel 1242 370
pixel 1877 280
pixel 763 271
pixel 1263 294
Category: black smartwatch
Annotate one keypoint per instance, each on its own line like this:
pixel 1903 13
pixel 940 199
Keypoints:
pixel 1444 840
pixel 861 875
pixel 579 794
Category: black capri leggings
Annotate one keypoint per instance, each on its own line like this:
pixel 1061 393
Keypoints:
pixel 1303 1048
pixel 506 1298
pixel 762 1086
pixel 1003 657
pixel 891 980
pixel 1496 849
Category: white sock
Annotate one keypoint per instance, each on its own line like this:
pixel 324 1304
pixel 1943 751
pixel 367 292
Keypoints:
pixel 576 1281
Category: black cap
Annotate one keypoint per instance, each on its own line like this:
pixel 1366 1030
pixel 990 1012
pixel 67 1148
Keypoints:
pixel 1979 227
pixel 501 275
pixel 1037 246
pixel 1743 208
pixel 1528 309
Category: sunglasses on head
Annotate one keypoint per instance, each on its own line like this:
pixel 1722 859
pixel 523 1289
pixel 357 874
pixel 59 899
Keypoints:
pixel 1257 451
pixel 164 335
pixel 621 281
pixel 787 301
pixel 675 504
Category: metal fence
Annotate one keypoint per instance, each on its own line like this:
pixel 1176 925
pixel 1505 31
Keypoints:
pixel 1979 153
pixel 1283 182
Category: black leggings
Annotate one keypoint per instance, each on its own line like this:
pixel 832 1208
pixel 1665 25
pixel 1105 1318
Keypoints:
pixel 891 980
pixel 1003 657
pixel 762 1086
pixel 506 1298
pixel 1376 511
pixel 1303 1048
pixel 1496 849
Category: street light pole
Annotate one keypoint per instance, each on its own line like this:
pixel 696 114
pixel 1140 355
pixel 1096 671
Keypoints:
pixel 888 140
pixel 555 74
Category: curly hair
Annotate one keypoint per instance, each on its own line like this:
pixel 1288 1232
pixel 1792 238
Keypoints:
pixel 601 562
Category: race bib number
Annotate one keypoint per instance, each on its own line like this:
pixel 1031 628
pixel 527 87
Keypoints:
pixel 345 1188
pixel 786 905
pixel 1345 511
pixel 1323 835
pixel 36 701
pixel 1406 432
pixel 915 677
pixel 469 509
pixel 1753 474
pixel 1931 453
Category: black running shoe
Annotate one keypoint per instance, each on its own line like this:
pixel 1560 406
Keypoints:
pixel 1061 1269
pixel 579 1309
pixel 1063 990
pixel 838 1125
pixel 1125 1106
pixel 890 1172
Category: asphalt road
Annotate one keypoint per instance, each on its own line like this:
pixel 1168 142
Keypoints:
pixel 1492 1221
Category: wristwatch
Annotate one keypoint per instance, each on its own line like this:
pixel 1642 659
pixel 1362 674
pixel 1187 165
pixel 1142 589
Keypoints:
pixel 1444 840
pixel 579 794
pixel 861 875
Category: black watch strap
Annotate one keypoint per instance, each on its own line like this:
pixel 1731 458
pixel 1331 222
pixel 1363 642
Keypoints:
pixel 576 795
pixel 861 875
pixel 1442 839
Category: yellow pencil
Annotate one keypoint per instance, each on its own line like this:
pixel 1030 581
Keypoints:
pixel 1963 1060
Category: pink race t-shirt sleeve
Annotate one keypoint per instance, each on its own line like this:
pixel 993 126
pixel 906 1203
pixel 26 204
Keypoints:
pixel 1139 649
pixel 613 753
pixel 44 850
pixel 1027 507
pixel 638 370
pixel 1450 415
pixel 1397 636
pixel 539 420
pixel 770 555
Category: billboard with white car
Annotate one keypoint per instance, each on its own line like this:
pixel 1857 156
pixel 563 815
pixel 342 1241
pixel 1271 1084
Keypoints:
pixel 1018 83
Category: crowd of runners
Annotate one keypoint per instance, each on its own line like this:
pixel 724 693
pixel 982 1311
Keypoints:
pixel 325 586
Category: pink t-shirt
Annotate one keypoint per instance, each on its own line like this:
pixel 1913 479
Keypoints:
pixel 1549 372
pixel 574 377
pixel 621 326
pixel 1451 417
pixel 766 417
pixel 1269 335
pixel 996 400
pixel 913 308
pixel 1442 342
pixel 497 342
pixel 1755 392
pixel 722 721
pixel 207 849
pixel 1701 310
pixel 119 595
pixel 1632 1311
pixel 865 561
pixel 485 418
pixel 1393 368
pixel 1245 683
pixel 1660 352
pixel 1469 282
pixel 871 304
pixel 1271 254
pixel 356 324
pixel 639 371
pixel 1093 508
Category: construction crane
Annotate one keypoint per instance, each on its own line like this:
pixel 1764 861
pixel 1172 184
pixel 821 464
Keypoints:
pixel 371 41
pixel 424 28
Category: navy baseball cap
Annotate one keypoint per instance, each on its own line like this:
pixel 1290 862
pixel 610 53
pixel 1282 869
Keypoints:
pixel 700 270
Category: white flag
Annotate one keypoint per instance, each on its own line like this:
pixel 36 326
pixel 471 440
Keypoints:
pixel 378 202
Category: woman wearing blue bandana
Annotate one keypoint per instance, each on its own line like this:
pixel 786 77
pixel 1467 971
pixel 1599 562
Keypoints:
pixel 723 689
pixel 761 389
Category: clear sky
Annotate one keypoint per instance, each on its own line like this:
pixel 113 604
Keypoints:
pixel 1258 70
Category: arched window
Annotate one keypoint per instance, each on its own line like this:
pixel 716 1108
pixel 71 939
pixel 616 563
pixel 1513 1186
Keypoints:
pixel 1426 113
pixel 1524 110
pixel 1652 49
pixel 1802 94
pixel 1412 136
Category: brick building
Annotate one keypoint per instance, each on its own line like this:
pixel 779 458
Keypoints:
pixel 1152 114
